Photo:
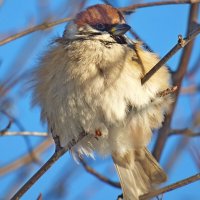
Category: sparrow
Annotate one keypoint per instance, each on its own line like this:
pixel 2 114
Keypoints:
pixel 90 81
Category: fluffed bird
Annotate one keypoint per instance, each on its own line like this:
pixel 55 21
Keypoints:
pixel 90 81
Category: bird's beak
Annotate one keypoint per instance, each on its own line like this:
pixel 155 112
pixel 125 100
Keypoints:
pixel 119 29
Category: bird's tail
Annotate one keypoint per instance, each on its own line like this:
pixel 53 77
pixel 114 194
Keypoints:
pixel 138 172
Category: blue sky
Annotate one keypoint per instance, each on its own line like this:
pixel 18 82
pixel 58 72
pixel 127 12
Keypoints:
pixel 158 26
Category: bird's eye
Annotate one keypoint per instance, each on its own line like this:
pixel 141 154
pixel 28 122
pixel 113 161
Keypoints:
pixel 100 27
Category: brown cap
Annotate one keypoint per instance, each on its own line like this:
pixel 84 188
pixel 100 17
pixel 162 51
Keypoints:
pixel 99 14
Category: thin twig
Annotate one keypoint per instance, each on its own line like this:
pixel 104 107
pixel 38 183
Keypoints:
pixel 39 173
pixel 194 69
pixel 21 128
pixel 171 187
pixel 39 197
pixel 192 89
pixel 181 43
pixel 4 130
pixel 176 151
pixel 194 150
pixel 160 3
pixel 14 120
pixel 23 133
pixel 99 176
pixel 57 154
pixel 43 26
pixel 22 161
pixel 185 132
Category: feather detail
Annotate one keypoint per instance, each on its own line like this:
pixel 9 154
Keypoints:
pixel 138 172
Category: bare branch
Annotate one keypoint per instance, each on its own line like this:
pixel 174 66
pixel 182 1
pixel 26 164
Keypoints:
pixel 26 158
pixel 181 43
pixel 39 197
pixel 194 150
pixel 58 153
pixel 23 133
pixel 4 131
pixel 175 153
pixel 177 79
pixel 21 128
pixel 185 132
pixel 42 26
pixel 171 187
pixel 99 176
pixel 39 173
pixel 160 3
pixel 190 89
pixel 194 68
pixel 14 120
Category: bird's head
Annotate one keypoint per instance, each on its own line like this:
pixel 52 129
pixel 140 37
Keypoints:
pixel 97 20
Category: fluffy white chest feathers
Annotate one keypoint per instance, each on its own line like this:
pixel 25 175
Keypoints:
pixel 92 86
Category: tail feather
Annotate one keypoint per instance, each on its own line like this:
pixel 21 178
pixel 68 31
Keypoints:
pixel 138 173
pixel 152 168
